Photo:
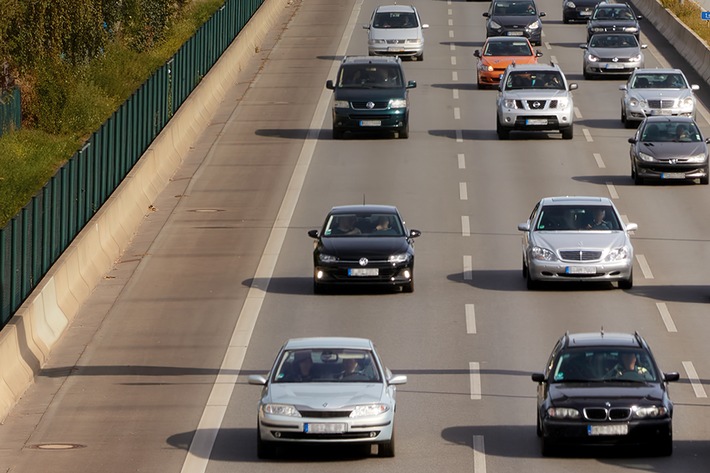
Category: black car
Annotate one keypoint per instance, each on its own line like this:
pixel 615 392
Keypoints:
pixel 613 18
pixel 370 93
pixel 363 244
pixel 578 10
pixel 514 18
pixel 669 148
pixel 604 389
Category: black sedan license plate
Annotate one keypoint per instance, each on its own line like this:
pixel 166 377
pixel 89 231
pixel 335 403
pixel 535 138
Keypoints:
pixel 334 428
pixel 363 272
pixel 608 429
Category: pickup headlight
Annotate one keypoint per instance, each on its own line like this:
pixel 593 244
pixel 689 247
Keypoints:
pixel 369 410
pixel 563 413
pixel 323 258
pixel 543 254
pixel 341 104
pixel 618 254
pixel 281 410
pixel 562 103
pixel 398 258
pixel 509 103
pixel 398 103
pixel 650 411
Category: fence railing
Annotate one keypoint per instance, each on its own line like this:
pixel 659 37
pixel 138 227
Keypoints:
pixel 10 112
pixel 34 239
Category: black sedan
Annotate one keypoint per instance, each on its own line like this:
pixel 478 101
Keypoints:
pixel 604 389
pixel 363 244
pixel 669 148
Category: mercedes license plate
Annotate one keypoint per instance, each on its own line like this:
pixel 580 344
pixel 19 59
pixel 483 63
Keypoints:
pixel 536 121
pixel 363 272
pixel 334 428
pixel 608 429
pixel 672 175
pixel 580 270
pixel 370 122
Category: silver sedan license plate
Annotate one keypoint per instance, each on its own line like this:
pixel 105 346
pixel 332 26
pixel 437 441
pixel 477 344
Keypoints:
pixel 334 428
pixel 581 270
pixel 370 123
pixel 363 272
pixel 609 429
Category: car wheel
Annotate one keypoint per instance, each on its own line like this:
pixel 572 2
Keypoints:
pixel 503 132
pixel 548 448
pixel 420 58
pixel 664 448
pixel 565 21
pixel 318 287
pixel 587 76
pixel 404 132
pixel 623 117
pixel 539 427
pixel 706 179
pixel 525 269
pixel 568 133
pixel 531 283
pixel 627 283
pixel 386 449
pixel 637 179
pixel 337 134
pixel 264 449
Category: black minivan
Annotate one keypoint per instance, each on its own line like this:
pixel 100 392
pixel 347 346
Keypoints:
pixel 370 94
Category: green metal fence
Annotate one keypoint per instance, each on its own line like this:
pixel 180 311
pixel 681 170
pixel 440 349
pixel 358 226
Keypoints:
pixel 10 113
pixel 34 239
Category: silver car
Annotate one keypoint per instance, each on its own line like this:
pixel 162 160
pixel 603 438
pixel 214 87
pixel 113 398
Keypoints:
pixel 651 92
pixel 327 390
pixel 612 54
pixel 396 30
pixel 577 239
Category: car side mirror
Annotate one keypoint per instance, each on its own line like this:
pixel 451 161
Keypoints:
pixel 524 227
pixel 411 84
pixel 477 53
pixel 632 141
pixel 583 46
pixel 538 53
pixel 313 233
pixel 541 14
pixel 670 377
pixel 365 27
pixel 707 140
pixel 397 379
pixel 329 85
pixel 486 14
pixel 622 87
pixel 538 377
pixel 256 379
pixel 695 87
pixel 572 86
pixel 425 26
pixel 631 227
pixel 644 46
pixel 414 233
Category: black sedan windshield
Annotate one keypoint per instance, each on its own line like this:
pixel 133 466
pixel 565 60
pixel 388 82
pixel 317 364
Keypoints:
pixel 370 225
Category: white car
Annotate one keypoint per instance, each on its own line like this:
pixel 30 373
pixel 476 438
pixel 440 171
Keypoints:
pixel 396 30
pixel 652 92
pixel 327 390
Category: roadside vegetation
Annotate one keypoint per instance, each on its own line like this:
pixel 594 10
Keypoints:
pixel 689 13
pixel 76 62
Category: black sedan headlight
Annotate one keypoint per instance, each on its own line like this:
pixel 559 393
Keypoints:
pixel 324 258
pixel 563 413
pixel 398 258
pixel 649 412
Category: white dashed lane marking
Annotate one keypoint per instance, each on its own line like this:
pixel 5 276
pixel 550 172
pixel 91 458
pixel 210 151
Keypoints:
pixel 470 319
pixel 666 316
pixel 694 379
pixel 474 371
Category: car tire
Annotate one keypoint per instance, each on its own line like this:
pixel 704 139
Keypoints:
pixel 587 76
pixel 386 449
pixel 565 20
pixel 403 133
pixel 318 288
pixel 568 133
pixel 531 283
pixel 705 180
pixel 638 180
pixel 627 283
pixel 664 448
pixel 420 58
pixel 538 429
pixel 547 449
pixel 409 287
pixel 338 134
pixel 264 450
pixel 525 269
pixel 503 132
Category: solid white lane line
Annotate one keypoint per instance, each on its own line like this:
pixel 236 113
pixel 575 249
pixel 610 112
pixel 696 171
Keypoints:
pixel 479 454
pixel 645 268
pixel 474 371
pixel 598 159
pixel 210 423
pixel 612 190
pixel 470 319
pixel 465 226
pixel 694 379
pixel 454 76
pixel 467 267
pixel 666 316
pixel 457 113
pixel 587 135
pixel 459 136
pixel 462 161
pixel 463 191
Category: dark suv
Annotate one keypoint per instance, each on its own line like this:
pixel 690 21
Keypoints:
pixel 370 93
pixel 604 389
pixel 613 18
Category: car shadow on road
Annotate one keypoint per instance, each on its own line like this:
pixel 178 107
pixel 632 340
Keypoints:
pixel 304 286
pixel 512 280
pixel 625 180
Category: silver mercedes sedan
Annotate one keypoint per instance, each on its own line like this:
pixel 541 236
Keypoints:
pixel 652 92
pixel 612 54
pixel 327 390
pixel 577 239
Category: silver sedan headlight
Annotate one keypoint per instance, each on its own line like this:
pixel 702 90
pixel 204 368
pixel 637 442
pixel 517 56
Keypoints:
pixel 592 58
pixel 398 103
pixel 697 158
pixel 281 410
pixel 367 410
pixel 618 254
pixel 687 103
pixel 563 413
pixel 543 254
pixel 636 58
pixel 327 258
pixel 398 258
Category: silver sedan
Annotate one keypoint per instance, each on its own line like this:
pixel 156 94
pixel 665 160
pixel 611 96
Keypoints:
pixel 327 390
pixel 577 239
pixel 612 54
pixel 652 92
pixel 396 30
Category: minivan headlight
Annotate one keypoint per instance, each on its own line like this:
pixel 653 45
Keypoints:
pixel 341 104
pixel 398 103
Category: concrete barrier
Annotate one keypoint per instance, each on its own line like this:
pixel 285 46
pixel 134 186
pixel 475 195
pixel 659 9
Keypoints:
pixel 27 339
pixel 684 40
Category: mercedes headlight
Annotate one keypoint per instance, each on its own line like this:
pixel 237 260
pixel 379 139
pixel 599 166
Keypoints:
pixel 281 410
pixel 543 254
pixel 398 103
pixel 367 410
pixel 687 103
pixel 563 413
pixel 618 254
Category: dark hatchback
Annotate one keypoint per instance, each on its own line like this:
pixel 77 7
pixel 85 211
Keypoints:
pixel 604 389
pixel 370 94
pixel 514 18
pixel 363 245
pixel 613 18
pixel 669 148
pixel 578 10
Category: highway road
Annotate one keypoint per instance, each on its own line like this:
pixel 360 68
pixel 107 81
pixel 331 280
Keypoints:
pixel 151 376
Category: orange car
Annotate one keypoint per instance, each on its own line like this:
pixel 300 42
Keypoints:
pixel 498 53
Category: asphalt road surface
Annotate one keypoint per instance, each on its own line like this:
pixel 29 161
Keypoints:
pixel 151 377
